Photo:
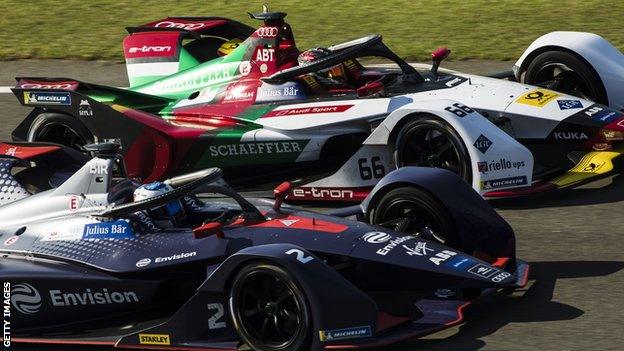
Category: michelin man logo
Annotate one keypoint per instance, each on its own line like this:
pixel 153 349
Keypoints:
pixel 25 298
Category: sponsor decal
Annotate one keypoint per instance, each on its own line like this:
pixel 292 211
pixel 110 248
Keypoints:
pixel 143 262
pixel 483 271
pixel 442 256
pixel 12 151
pixel 332 194
pixel 392 244
pixel 267 32
pixel 346 333
pixel 25 298
pixel 187 26
pixel 459 263
pixel 482 144
pixel 601 114
pixel 147 221
pixel 501 276
pixel 264 55
pixel 453 82
pixel 499 165
pixel 288 222
pixel 569 104
pixel 154 339
pixel 537 97
pixel 420 249
pixel 308 110
pixel 288 91
pixel 237 96
pixel 49 85
pixel 147 261
pixel 161 49
pixel 502 183
pixel 84 109
pixel 570 136
pixel 11 240
pixel 89 297
pixel 108 230
pixel 194 82
pixel 264 68
pixel 376 237
pixel 244 68
pixel 256 148
pixel 47 98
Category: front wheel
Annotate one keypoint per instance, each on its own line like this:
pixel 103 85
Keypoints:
pixel 269 309
pixel 416 212
pixel 430 142
pixel 565 72
pixel 60 129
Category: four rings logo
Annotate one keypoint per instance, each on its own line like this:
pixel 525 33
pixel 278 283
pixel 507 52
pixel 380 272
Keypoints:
pixel 25 298
pixel 267 32
pixel 187 26
pixel 376 237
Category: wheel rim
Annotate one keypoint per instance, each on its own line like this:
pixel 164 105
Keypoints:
pixel 61 134
pixel 560 77
pixel 432 146
pixel 269 311
pixel 412 218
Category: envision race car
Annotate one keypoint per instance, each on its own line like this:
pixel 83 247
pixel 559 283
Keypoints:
pixel 331 124
pixel 88 263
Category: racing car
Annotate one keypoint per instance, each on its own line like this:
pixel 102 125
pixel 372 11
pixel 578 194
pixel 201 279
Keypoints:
pixel 331 125
pixel 88 262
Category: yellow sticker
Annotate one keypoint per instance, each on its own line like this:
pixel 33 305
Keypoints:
pixel 154 339
pixel 537 97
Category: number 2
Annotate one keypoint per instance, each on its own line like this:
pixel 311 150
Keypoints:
pixel 300 255
pixel 213 322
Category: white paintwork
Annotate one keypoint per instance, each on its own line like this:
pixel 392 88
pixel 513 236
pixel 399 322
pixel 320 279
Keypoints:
pixel 603 57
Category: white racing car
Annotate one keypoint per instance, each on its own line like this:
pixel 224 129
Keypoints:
pixel 332 124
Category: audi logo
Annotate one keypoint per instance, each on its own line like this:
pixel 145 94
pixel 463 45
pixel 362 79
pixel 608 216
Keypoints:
pixel 187 26
pixel 46 86
pixel 267 32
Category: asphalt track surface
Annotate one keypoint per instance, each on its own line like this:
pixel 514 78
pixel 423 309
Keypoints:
pixel 572 238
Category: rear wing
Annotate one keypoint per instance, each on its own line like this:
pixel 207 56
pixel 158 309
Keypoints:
pixel 109 114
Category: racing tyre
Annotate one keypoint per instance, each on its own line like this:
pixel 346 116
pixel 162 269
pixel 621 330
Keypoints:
pixel 61 129
pixel 565 72
pixel 416 212
pixel 429 142
pixel 269 309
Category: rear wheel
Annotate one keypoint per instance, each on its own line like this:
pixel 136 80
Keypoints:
pixel 564 72
pixel 429 142
pixel 269 309
pixel 61 129
pixel 416 212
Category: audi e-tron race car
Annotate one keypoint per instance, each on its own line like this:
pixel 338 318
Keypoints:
pixel 86 263
pixel 261 117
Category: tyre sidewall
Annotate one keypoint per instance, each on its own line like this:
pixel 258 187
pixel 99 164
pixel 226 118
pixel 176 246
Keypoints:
pixel 48 119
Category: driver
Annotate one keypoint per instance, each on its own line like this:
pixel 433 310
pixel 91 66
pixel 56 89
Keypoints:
pixel 165 216
pixel 334 77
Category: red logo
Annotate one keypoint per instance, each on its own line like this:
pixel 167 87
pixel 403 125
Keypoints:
pixel 74 203
pixel 308 110
pixel 10 241
pixel 267 32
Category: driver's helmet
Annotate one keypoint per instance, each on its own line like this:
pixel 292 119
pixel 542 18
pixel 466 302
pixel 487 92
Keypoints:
pixel 229 46
pixel 336 73
pixel 173 211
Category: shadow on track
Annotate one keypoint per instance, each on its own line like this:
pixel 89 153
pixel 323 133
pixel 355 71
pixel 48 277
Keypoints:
pixel 533 304
pixel 576 196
